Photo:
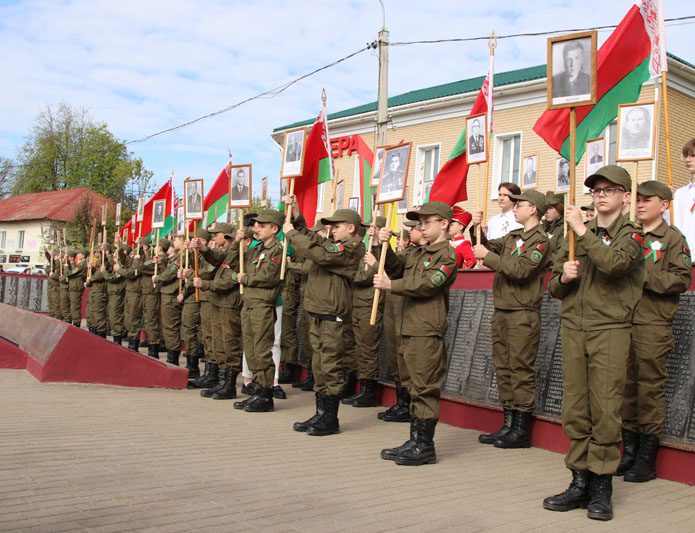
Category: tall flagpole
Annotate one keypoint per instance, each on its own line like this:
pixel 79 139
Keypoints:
pixel 383 93
pixel 492 44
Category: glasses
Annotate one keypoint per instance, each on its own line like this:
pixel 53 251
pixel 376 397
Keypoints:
pixel 425 223
pixel 607 191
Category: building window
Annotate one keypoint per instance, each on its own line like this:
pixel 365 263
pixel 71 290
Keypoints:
pixel 20 239
pixel 319 199
pixel 3 238
pixel 507 160
pixel 612 136
pixel 426 168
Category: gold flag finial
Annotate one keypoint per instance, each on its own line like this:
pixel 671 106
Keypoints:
pixel 323 95
pixel 492 44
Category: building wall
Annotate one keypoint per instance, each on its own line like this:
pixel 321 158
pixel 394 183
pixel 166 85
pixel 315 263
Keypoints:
pixel 32 243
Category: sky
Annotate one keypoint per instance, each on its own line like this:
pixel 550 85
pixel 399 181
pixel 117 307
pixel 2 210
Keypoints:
pixel 145 66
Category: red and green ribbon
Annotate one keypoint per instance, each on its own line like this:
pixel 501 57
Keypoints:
pixel 519 248
pixel 654 252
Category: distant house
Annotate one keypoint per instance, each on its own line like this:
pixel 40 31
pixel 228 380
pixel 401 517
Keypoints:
pixel 22 216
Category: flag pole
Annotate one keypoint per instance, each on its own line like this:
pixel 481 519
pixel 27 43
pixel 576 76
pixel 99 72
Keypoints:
pixel 633 195
pixel 240 217
pixel 667 124
pixel 382 263
pixel 492 44
pixel 195 262
pixel 573 172
pixel 481 205
pixel 288 218
pixel 154 251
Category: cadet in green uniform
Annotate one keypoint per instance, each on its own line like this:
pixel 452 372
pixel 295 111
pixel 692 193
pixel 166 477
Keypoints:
pixel 554 224
pixel 196 321
pixel 53 284
pixel 519 260
pixel 150 297
pixel 262 286
pixel 66 258
pixel 132 313
pixel 115 287
pixel 289 347
pixel 423 278
pixel 167 281
pixel 98 299
pixel 76 274
pixel 599 292
pixel 328 301
pixel 667 273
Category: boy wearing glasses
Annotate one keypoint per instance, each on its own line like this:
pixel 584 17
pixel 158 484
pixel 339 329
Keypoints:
pixel 424 278
pixel 520 261
pixel 599 290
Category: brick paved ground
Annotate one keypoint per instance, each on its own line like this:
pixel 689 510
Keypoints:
pixel 99 458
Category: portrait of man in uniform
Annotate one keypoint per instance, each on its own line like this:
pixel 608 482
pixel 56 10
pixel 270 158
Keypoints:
pixel 293 153
pixel 193 195
pixel 158 213
pixel 240 190
pixel 635 132
pixel 393 175
pixel 530 172
pixel 562 167
pixel 477 138
pixel 572 69
pixel 180 222
pixel 595 150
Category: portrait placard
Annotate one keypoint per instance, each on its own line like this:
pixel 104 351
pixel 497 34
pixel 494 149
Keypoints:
pixel 529 178
pixel 394 173
pixel 103 215
pixel 118 214
pixel 126 233
pixel 595 155
pixel 141 208
pixel 283 188
pixel 240 186
pixel 180 221
pixel 193 199
pixel 158 207
pixel 476 142
pixel 264 192
pixel 572 70
pixel 636 132
pixel 377 165
pixel 293 153
pixel 403 204
pixel 562 175
pixel 339 191
pixel 354 203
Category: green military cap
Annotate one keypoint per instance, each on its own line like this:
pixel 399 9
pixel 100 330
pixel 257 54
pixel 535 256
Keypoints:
pixel 432 208
pixel 612 173
pixel 127 247
pixel 534 197
pixel 379 222
pixel 270 216
pixel 222 227
pixel 204 234
pixel 145 241
pixel 589 207
pixel 164 244
pixel 318 227
pixel 405 233
pixel 655 188
pixel 554 199
pixel 109 247
pixel 343 215
pixel 248 218
pixel 410 223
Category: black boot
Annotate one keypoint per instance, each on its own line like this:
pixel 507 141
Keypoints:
pixel 390 454
pixel 173 357
pixel 287 373
pixel 367 397
pixel 262 402
pixel 209 378
pixel 422 452
pixel 349 383
pixel 213 387
pixel 630 447
pixel 133 344
pixel 228 391
pixel 576 495
pixel 161 347
pixel 320 408
pixel 153 351
pixel 490 438
pixel 102 334
pixel 644 467
pixel 400 412
pixel 347 400
pixel 327 424
pixel 118 339
pixel 520 434
pixel 192 365
pixel 600 506
pixel 278 393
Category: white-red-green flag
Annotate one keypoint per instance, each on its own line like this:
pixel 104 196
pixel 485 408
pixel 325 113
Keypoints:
pixel 633 54
pixel 217 199
pixel 165 193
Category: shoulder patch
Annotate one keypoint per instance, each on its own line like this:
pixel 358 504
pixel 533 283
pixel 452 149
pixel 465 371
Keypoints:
pixel 334 247
pixel 687 261
pixel 438 277
pixel 638 238
pixel 174 268
pixel 536 256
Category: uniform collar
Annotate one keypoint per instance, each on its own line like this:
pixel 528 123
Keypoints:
pixel 611 230
pixel 436 246
pixel 538 228
pixel 660 230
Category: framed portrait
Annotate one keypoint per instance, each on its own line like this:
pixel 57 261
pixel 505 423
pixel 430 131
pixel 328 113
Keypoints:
pixel 133 221
pixel 572 70
pixel 595 155
pixel 126 234
pixel 264 192
pixel 240 186
pixel 293 153
pixel 193 199
pixel 118 214
pixel 180 221
pixel 403 204
pixel 476 142
pixel 354 203
pixel 158 208
pixel 103 214
pixel 394 172
pixel 141 208
pixel 377 165
pixel 562 175
pixel 636 132
pixel 283 188
pixel 339 191
pixel 529 179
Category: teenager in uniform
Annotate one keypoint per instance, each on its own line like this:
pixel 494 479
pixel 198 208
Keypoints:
pixel 64 294
pixel 599 292
pixel 150 296
pixel 519 260
pixel 554 223
pixel 667 273
pixel 465 258
pixel 132 306
pixel 167 281
pixel 289 346
pixel 76 273
pixel 423 278
pixel 98 299
pixel 115 287
pixel 53 270
pixel 328 301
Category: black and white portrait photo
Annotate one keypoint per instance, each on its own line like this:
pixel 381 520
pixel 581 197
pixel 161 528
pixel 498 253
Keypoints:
pixel 240 186
pixel 595 155
pixel 158 213
pixel 635 132
pixel 562 171
pixel 193 199
pixel 141 208
pixel 180 222
pixel 393 174
pixel 354 203
pixel 118 214
pixel 530 176
pixel 476 146
pixel 572 70
pixel 293 153
pixel 264 192
pixel 377 165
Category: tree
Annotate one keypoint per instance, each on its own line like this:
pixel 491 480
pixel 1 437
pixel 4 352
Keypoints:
pixel 6 177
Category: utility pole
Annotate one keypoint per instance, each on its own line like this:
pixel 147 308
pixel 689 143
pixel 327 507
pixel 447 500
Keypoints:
pixel 382 98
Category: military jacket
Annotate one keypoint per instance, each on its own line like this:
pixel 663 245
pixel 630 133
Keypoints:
pixel 76 274
pixel 145 269
pixel 363 283
pixel 115 280
pixel 167 276
pixel 223 287
pixel 555 232
pixel 262 272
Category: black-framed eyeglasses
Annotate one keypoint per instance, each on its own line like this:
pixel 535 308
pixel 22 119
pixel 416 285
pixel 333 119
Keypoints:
pixel 607 191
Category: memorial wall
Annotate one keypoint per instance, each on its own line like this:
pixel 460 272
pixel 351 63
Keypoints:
pixel 25 292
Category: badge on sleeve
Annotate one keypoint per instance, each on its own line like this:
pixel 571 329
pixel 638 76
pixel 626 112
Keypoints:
pixel 334 247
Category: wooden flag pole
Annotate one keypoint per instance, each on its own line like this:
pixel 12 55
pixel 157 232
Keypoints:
pixel 370 243
pixel 288 218
pixel 486 193
pixel 138 248
pixel 633 194
pixel 481 205
pixel 195 263
pixel 103 245
pixel 382 263
pixel 573 171
pixel 667 124
pixel 154 283
pixel 241 250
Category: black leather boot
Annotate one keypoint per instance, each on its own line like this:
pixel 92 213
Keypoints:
pixel 262 402
pixel 520 434
pixel 400 412
pixel 347 400
pixel 192 365
pixel 287 373
pixel 308 384
pixel 153 351
pixel 118 339
pixel 600 506
pixel 221 381
pixel 145 344
pixel 422 452
pixel 303 426
pixel 367 397
pixel 576 495
pixel 327 424
pixel 644 467
pixel 279 393
pixel 161 347
pixel 630 447
pixel 133 344
pixel 173 357
pixel 209 378
pixel 102 334
pixel 228 391
pixel 490 438
pixel 349 383
pixel 390 454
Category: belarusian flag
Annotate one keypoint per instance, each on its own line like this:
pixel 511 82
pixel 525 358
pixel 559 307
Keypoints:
pixel 450 183
pixel 217 199
pixel 630 56
pixel 317 168
pixel 127 228
pixel 165 193
pixel 366 156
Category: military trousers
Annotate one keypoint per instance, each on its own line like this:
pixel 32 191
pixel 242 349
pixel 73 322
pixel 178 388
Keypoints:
pixel 205 334
pixel 305 341
pixel 54 300
pixel 133 313
pixel 65 304
pixel 644 403
pixel 170 319
pixel 150 312
pixel 515 338
pixel 593 382
pixel 349 359
pixel 115 313
pixel 327 345
pixel 425 359
pixel 97 316
pixel 391 315
pixel 367 338
pixel 190 325
pixel 289 347
pixel 258 327
pixel 75 308
pixel 226 337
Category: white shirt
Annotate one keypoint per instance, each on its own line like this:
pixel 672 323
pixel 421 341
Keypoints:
pixel 683 218
pixel 499 225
